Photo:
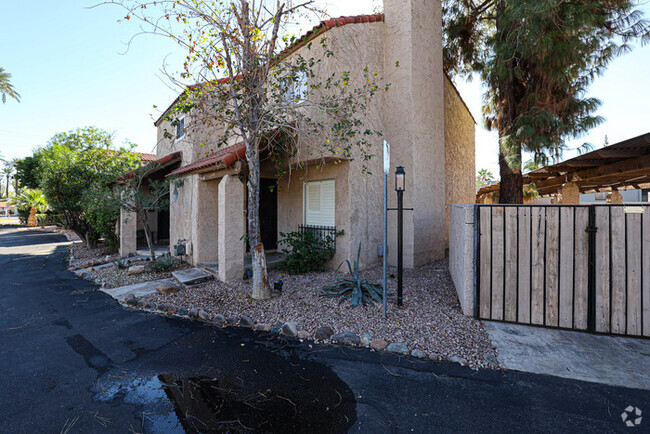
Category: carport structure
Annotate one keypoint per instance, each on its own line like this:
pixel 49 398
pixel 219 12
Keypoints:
pixel 621 166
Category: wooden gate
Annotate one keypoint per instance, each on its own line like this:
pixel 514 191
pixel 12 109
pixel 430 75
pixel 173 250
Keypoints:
pixel 581 267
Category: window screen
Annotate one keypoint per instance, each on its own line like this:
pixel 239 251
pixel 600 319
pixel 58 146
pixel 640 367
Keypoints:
pixel 320 203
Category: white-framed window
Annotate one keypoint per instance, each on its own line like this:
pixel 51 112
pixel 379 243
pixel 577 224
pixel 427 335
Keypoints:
pixel 297 89
pixel 320 203
pixel 180 128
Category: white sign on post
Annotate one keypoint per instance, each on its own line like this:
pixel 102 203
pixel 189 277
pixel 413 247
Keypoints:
pixel 386 157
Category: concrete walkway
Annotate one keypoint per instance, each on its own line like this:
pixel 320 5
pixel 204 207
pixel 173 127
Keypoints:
pixel 138 289
pixel 614 360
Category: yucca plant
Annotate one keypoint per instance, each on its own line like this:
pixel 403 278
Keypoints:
pixel 162 263
pixel 359 291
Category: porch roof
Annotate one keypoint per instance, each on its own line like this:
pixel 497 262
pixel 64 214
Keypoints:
pixel 221 159
pixel 621 166
pixel 156 165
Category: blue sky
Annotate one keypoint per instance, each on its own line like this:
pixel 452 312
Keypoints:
pixel 70 67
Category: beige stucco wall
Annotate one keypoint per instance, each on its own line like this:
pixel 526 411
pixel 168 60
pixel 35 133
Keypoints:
pixel 291 203
pixel 414 117
pixel 461 254
pixel 459 151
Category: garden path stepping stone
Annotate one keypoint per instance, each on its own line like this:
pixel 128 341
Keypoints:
pixel 138 289
pixel 191 276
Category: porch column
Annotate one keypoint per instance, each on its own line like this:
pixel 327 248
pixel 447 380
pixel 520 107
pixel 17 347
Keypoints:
pixel 128 232
pixel 231 229
pixel 570 194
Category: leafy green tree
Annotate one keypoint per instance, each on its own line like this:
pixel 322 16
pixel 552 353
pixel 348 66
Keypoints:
pixel 6 88
pixel 78 167
pixel 251 90
pixel 28 171
pixel 537 59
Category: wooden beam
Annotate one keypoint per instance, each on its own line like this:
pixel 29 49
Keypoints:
pixel 622 153
pixel 632 165
pixel 235 169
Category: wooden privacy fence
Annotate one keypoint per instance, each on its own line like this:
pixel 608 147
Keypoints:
pixel 583 267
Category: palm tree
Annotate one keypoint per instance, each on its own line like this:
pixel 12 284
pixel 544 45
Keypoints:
pixel 7 171
pixel 34 200
pixel 6 88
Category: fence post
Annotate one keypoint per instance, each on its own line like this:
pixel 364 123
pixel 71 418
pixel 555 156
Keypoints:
pixel 591 274
pixel 477 260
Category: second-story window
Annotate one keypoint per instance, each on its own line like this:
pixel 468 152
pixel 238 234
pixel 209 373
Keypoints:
pixel 180 128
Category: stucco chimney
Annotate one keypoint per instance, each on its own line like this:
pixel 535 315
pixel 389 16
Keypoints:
pixel 414 122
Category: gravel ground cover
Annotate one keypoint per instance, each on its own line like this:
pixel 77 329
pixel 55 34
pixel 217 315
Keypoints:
pixel 113 277
pixel 431 319
pixel 82 256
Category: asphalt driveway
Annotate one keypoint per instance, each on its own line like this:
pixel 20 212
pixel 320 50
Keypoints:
pixel 73 360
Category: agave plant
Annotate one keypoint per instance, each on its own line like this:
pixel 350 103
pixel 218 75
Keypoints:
pixel 359 291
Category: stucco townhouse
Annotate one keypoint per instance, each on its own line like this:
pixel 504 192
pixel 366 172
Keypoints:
pixel 422 116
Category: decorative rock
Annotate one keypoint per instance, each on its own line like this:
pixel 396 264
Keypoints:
pixel 172 309
pixel 303 334
pixel 162 307
pixel 417 353
pixel 246 322
pixel 150 305
pixel 457 359
pixel 141 304
pixel 490 359
pixel 194 312
pixel 347 338
pixel 366 338
pixel 233 320
pixel 220 319
pixel 276 328
pixel 323 333
pixel 132 301
pixel 136 269
pixel 165 288
pixel 289 329
pixel 263 327
pixel 378 344
pixel 397 347
pixel 129 296
pixel 182 311
pixel 204 315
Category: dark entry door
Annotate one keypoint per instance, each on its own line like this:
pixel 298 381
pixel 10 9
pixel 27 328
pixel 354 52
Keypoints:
pixel 163 226
pixel 269 213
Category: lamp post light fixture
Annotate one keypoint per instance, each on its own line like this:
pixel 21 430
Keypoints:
pixel 400 185
pixel 400 179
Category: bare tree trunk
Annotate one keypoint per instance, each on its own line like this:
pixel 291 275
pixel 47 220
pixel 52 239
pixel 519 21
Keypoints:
pixel 261 289
pixel 145 224
pixel 511 188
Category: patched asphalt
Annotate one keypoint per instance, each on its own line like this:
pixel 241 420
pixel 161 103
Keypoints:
pixel 72 357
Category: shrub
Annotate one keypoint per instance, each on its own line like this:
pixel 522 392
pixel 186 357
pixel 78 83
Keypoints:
pixel 359 291
pixel 162 263
pixel 306 252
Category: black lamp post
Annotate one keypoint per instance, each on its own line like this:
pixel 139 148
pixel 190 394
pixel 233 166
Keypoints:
pixel 400 185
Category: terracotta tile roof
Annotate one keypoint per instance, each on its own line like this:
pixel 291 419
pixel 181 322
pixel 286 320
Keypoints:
pixel 163 162
pixel 318 30
pixel 224 157
pixel 147 157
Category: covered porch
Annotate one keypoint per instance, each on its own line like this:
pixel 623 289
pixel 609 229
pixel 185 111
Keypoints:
pixel 133 239
pixel 607 172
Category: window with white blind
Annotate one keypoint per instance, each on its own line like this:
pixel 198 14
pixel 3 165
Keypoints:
pixel 319 205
